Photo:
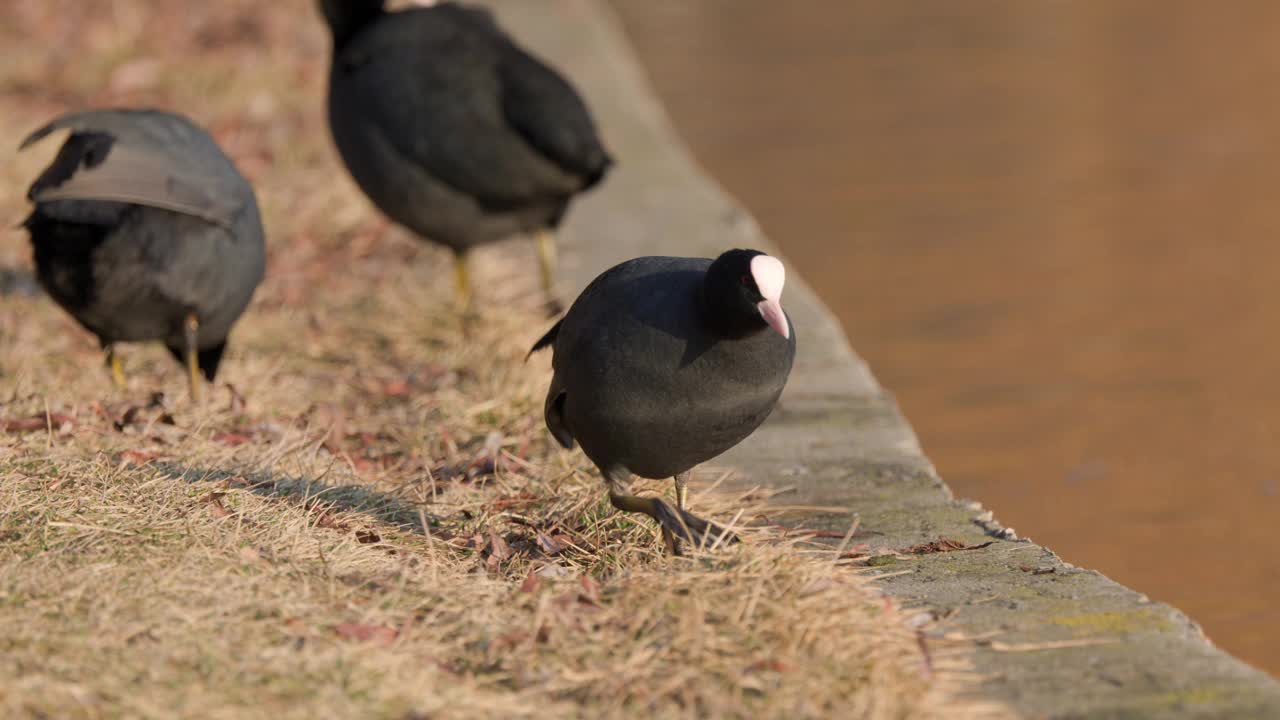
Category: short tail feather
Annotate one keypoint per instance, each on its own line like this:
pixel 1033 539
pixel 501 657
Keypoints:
pixel 545 340
pixel 598 172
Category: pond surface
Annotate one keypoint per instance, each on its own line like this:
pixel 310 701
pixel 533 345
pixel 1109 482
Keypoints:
pixel 1053 229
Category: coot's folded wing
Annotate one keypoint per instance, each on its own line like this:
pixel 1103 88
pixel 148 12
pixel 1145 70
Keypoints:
pixel 433 92
pixel 549 114
pixel 100 162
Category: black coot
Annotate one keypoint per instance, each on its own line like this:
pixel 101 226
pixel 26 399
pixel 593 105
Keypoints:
pixel 663 363
pixel 453 130
pixel 144 230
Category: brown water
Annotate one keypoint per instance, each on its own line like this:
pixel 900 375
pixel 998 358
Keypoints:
pixel 1053 229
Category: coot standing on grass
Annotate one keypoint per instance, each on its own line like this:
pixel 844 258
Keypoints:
pixel 663 363
pixel 453 130
pixel 144 230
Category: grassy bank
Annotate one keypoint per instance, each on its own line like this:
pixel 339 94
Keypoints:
pixel 365 517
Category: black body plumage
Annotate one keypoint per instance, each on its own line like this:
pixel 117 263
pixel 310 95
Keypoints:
pixel 450 128
pixel 141 221
pixel 662 364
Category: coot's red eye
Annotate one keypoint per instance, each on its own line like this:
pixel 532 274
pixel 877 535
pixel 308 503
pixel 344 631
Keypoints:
pixel 745 280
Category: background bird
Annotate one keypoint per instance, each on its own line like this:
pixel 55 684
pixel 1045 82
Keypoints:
pixel 453 130
pixel 664 363
pixel 144 230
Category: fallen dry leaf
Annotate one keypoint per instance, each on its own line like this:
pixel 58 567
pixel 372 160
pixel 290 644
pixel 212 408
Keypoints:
pixel 326 519
pixel 498 551
pixel 36 422
pixel 216 508
pixel 358 632
pixel 855 551
pixel 396 389
pixel 531 581
pixel 1050 645
pixel 232 439
pixel 480 467
pixel 942 545
pixel 512 639
pixel 498 546
pixel 552 571
pixel 830 534
pixel 137 457
pixel 368 537
pixel 506 502
pixel 549 544
pixel 771 665
pixel 590 589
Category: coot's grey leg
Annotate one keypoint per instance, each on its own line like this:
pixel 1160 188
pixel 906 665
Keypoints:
pixel 190 328
pixel 652 507
pixel 547 265
pixel 117 370
pixel 676 524
pixel 682 500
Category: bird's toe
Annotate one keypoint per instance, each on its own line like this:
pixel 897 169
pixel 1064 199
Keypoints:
pixel 681 527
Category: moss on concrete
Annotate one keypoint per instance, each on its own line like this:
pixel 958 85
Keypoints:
pixel 1114 623
pixel 1190 696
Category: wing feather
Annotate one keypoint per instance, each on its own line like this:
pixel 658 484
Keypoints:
pixel 107 159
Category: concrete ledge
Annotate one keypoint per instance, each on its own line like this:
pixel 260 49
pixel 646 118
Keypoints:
pixel 838 437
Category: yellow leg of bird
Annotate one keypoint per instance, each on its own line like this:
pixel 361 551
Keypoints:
pixel 682 490
pixel 463 280
pixel 190 329
pixel 117 369
pixel 547 263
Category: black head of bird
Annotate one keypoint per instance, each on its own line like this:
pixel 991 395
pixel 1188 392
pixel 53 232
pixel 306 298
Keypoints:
pixel 142 229
pixel 346 16
pixel 743 293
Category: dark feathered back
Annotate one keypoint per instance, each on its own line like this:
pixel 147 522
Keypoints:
pixel 549 114
pixel 451 128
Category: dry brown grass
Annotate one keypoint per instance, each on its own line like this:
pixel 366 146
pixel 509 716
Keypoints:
pixel 369 519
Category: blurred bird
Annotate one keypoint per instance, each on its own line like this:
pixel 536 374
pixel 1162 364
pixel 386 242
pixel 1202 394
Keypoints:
pixel 453 130
pixel 663 363
pixel 144 230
